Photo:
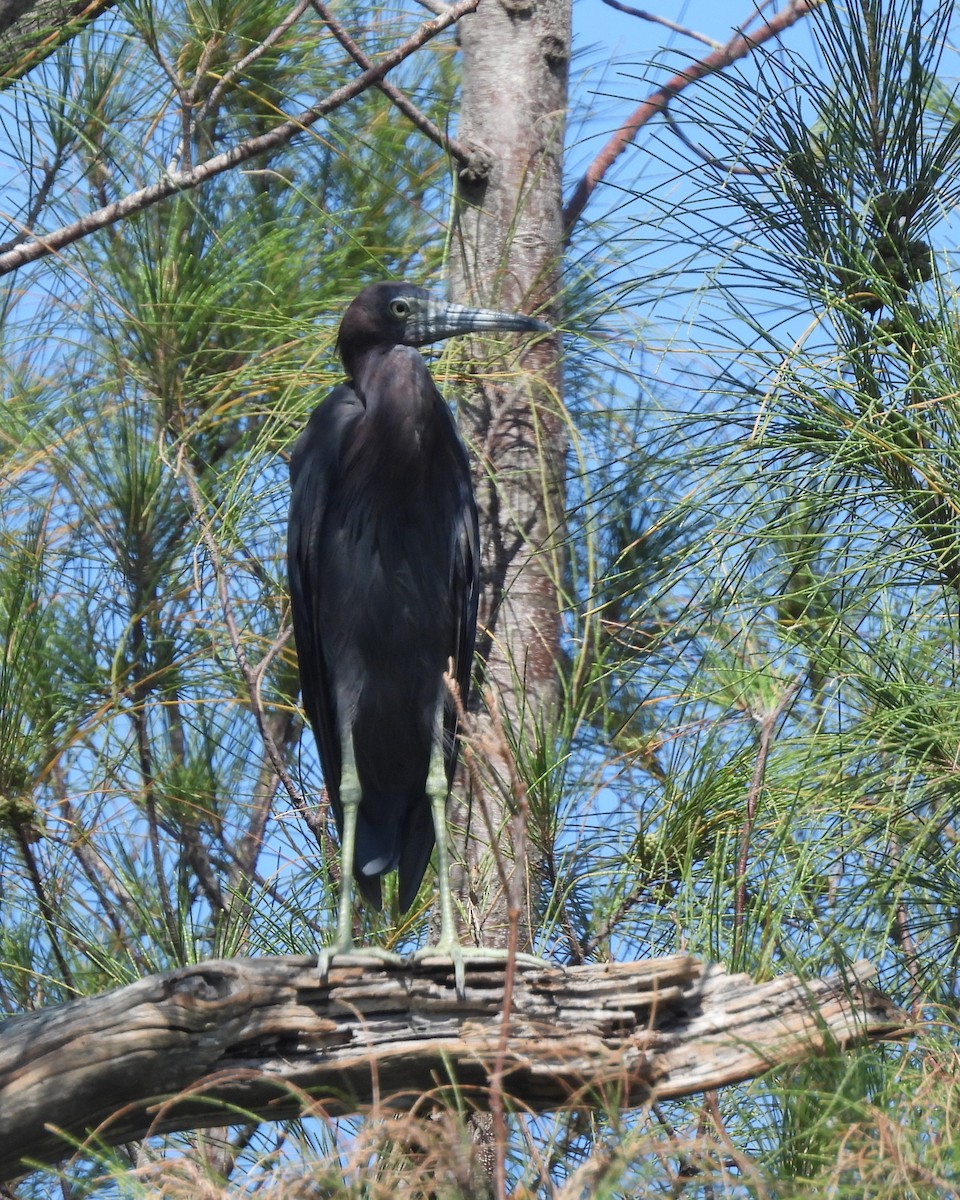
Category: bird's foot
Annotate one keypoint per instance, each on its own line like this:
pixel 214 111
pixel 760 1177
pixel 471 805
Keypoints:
pixel 460 955
pixel 343 953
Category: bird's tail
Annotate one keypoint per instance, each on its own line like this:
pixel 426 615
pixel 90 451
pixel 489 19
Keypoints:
pixel 398 836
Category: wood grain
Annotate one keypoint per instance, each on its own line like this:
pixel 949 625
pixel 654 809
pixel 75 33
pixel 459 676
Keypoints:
pixel 266 1037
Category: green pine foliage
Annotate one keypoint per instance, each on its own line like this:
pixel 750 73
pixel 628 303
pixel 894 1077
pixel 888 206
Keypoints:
pixel 756 756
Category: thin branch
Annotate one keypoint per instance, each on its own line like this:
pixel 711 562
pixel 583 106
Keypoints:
pixel 506 872
pixel 739 46
pixel 435 6
pixel 710 159
pixel 242 152
pixel 241 65
pixel 903 936
pixel 251 678
pixel 589 945
pixel 413 114
pixel 111 891
pixel 768 725
pixel 497 1106
pixel 49 175
pixel 140 690
pixel 756 15
pixel 245 854
pixel 47 910
pixel 645 16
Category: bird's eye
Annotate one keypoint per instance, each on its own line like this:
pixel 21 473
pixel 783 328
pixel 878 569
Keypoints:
pixel 400 308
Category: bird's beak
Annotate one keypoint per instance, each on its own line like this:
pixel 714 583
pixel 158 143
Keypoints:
pixel 437 320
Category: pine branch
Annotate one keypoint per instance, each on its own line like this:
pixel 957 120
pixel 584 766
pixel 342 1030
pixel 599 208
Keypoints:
pixel 181 181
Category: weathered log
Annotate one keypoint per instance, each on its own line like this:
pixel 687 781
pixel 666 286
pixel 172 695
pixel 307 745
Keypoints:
pixel 191 1047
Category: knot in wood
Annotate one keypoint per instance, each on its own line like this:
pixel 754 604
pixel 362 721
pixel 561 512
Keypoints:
pixel 554 50
pixel 208 986
pixel 478 167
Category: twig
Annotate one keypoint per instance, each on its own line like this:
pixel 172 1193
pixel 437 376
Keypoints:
pixel 739 46
pixel 434 6
pixel 139 692
pixel 744 1164
pixel 413 114
pixel 645 16
pixel 589 945
pixel 711 160
pixel 768 725
pixel 47 911
pixel 903 936
pixel 250 676
pixel 500 1135
pixel 241 64
pixel 505 878
pixel 49 175
pixel 182 181
pixel 112 892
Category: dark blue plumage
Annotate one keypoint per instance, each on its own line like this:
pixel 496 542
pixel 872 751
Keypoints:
pixel 384 568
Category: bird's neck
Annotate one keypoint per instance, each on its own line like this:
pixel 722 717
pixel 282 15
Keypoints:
pixel 394 386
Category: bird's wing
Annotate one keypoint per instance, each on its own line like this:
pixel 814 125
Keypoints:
pixel 464 597
pixel 314 467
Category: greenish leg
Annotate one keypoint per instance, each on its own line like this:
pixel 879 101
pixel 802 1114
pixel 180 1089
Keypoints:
pixel 449 944
pixel 342 946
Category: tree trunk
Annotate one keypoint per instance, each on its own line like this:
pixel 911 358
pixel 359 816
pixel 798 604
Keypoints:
pixel 507 255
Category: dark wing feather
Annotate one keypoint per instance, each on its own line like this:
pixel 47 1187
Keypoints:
pixel 464 594
pixel 314 471
pixel 463 598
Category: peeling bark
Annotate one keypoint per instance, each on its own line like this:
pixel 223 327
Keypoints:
pixel 265 1037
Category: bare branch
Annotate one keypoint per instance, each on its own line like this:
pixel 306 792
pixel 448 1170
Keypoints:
pixel 182 181
pixel 250 675
pixel 739 46
pixel 434 6
pixel 394 95
pixel 241 65
pixel 768 724
pixel 49 175
pixel 710 159
pixel 48 911
pixel 645 16
pixel 903 937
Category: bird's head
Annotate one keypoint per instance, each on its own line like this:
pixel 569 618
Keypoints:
pixel 401 314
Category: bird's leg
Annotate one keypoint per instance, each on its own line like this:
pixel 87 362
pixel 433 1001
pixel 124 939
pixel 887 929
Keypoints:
pixel 342 946
pixel 449 944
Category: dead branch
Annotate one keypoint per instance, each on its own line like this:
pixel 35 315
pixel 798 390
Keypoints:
pixel 656 19
pixel 230 1039
pixel 461 154
pixel 739 46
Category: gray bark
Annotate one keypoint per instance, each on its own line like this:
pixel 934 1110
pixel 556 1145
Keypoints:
pixel 30 30
pixel 507 254
pixel 265 1036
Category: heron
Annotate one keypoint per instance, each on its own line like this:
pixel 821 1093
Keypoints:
pixel 384 571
